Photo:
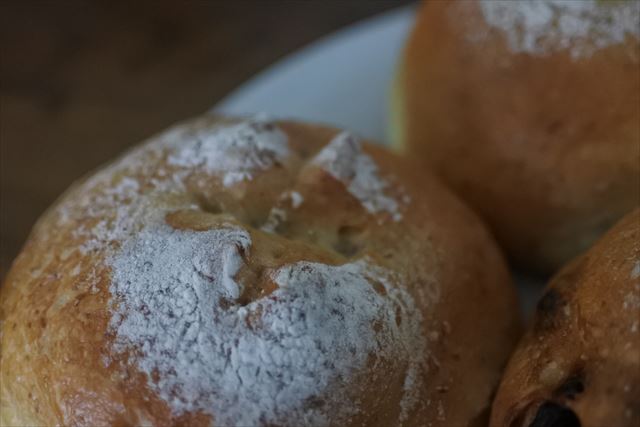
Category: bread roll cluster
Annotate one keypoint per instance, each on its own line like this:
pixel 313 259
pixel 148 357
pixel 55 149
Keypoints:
pixel 259 272
pixel 530 111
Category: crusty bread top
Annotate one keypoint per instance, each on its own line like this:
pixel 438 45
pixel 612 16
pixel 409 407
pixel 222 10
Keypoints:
pixel 253 272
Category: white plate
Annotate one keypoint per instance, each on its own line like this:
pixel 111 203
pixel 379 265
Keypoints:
pixel 344 80
pixel 341 79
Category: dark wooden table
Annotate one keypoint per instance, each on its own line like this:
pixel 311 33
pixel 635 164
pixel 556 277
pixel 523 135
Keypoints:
pixel 80 81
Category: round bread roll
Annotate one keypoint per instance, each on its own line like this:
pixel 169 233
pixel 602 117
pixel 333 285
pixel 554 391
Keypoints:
pixel 579 364
pixel 530 110
pixel 255 273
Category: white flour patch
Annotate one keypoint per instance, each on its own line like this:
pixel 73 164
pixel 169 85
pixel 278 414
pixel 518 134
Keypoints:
pixel 288 358
pixel 296 199
pixel 542 27
pixel 345 160
pixel 278 214
pixel 121 200
pixel 635 271
pixel 632 299
pixel 174 304
pixel 234 151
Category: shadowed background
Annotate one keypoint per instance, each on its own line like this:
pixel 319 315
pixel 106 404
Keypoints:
pixel 82 81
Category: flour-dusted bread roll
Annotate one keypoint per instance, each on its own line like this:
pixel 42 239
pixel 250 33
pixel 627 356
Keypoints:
pixel 579 364
pixel 531 111
pixel 245 273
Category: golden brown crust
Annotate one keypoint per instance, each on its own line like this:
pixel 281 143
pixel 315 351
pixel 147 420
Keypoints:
pixel 544 144
pixel 59 361
pixel 583 349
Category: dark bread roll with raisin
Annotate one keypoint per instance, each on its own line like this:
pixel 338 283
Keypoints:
pixel 579 363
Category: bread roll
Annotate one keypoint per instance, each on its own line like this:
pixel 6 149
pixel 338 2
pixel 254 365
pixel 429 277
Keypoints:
pixel 579 364
pixel 530 110
pixel 255 273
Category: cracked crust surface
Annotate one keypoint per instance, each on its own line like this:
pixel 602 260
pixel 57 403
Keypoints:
pixel 59 361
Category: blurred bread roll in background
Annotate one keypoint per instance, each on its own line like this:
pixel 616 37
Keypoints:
pixel 530 110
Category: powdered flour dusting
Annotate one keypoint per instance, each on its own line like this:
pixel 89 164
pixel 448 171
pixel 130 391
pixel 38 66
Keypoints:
pixel 235 151
pixel 345 160
pixel 278 214
pixel 545 26
pixel 635 271
pixel 288 358
pixel 264 362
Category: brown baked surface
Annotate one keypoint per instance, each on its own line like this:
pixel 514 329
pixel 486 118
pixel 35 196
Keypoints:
pixel 59 361
pixel 545 144
pixel 582 351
